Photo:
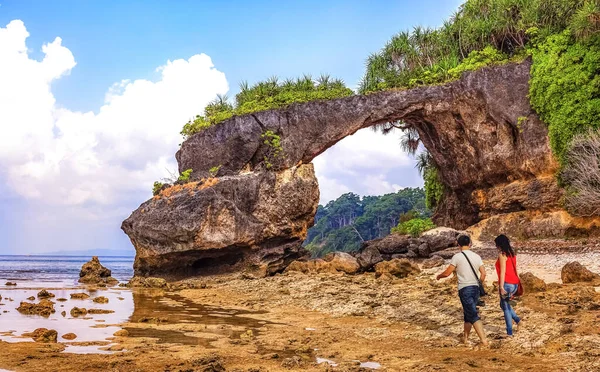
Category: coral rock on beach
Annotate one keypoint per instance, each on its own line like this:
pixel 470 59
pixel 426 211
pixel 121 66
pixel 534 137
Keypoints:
pixel 93 272
pixel 574 272
pixel 151 282
pixel 43 335
pixel 532 283
pixel 399 267
pixel 78 311
pixel 45 294
pixel 342 262
pixel 79 296
pixel 43 308
pixel 69 336
pixel 100 300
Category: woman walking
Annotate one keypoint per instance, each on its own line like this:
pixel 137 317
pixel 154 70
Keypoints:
pixel 508 280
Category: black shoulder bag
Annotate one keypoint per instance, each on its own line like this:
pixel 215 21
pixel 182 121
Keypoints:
pixel 481 287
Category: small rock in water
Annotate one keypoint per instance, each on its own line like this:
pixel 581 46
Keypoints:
pixel 147 319
pixel 45 294
pixel 100 300
pixel 100 311
pixel 61 299
pixel 31 298
pixel 10 284
pixel 43 335
pixel 93 272
pixel 43 308
pixel 64 313
pixel 121 333
pixel 69 336
pixel 76 311
pixel 79 296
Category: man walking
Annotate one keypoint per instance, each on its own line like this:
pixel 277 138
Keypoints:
pixel 467 264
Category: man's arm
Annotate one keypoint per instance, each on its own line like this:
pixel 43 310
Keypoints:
pixel 482 272
pixel 449 270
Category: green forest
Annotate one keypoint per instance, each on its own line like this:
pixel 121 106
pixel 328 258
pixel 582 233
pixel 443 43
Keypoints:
pixel 343 224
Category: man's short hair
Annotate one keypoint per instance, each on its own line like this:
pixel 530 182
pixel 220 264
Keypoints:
pixel 464 240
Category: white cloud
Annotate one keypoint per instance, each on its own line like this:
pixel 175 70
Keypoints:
pixel 61 157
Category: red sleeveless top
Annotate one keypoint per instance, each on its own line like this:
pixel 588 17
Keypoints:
pixel 511 273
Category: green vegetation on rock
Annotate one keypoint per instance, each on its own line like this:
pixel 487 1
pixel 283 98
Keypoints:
pixel 414 227
pixel 157 187
pixel 267 95
pixel 481 33
pixel 565 87
pixel 185 176
pixel 343 224
pixel 274 149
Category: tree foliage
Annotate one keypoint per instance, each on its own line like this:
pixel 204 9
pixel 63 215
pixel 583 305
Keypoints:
pixel 482 32
pixel 414 227
pixel 343 224
pixel 267 95
pixel 565 87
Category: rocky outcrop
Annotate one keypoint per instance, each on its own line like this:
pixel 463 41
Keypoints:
pixel 532 283
pixel 44 308
pixel 403 246
pixel 93 272
pixel 491 149
pixel 574 272
pixel 255 220
pixel 336 262
pixel 400 268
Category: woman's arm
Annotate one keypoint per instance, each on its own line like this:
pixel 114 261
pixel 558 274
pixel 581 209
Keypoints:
pixel 502 259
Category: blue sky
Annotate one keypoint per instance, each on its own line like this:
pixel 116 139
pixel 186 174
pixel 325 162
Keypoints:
pixel 66 184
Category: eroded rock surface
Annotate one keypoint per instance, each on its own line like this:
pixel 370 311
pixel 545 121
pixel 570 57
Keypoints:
pixel 250 221
pixel 93 272
pixel 574 272
pixel 44 308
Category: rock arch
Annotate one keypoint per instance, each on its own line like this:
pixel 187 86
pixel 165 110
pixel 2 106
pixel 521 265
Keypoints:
pixel 491 148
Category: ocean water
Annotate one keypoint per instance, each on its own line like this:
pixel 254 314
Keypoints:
pixel 57 270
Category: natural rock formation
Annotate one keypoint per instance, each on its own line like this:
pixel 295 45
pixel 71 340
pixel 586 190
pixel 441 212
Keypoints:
pixel 44 308
pixel 45 294
pixel 491 149
pixel 69 336
pixel 432 262
pixel 400 268
pixel 147 282
pixel 250 220
pixel 336 262
pixel 43 335
pixel 78 311
pixel 100 300
pixel 79 296
pixel 574 272
pixel 93 272
pixel 403 246
pixel 532 283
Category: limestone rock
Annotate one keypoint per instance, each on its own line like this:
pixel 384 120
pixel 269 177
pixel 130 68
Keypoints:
pixel 43 335
pixel 532 283
pixel 400 268
pixel 368 257
pixel 342 262
pixel 8 284
pixel 432 262
pixel 44 308
pixel 147 282
pixel 226 224
pixel 45 294
pixel 391 244
pixel 79 296
pixel 93 272
pixel 100 300
pixel 69 336
pixel 121 333
pixel 78 311
pixel 100 311
pixel 440 238
pixel 574 272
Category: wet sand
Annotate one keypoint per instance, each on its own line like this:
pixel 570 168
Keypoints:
pixel 314 323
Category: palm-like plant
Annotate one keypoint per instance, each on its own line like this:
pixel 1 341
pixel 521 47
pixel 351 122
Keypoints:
pixel 586 21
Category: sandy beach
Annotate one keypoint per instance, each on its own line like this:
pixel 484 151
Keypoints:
pixel 315 322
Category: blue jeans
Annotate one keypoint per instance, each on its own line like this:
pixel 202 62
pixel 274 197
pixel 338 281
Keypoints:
pixel 509 313
pixel 469 296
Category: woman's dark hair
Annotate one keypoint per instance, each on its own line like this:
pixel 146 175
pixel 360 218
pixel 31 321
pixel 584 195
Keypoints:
pixel 503 243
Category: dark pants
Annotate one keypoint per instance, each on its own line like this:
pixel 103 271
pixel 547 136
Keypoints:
pixel 469 296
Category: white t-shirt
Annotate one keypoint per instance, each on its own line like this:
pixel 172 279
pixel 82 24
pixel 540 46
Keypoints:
pixel 465 275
